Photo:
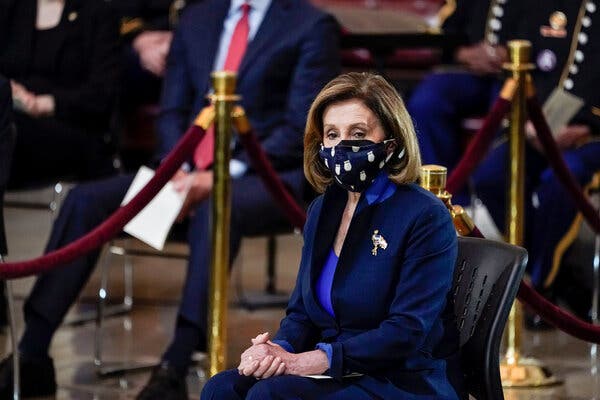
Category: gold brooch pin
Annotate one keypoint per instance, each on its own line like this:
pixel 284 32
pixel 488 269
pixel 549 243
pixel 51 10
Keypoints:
pixel 378 242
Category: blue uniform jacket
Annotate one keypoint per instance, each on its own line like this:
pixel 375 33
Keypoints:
pixel 392 322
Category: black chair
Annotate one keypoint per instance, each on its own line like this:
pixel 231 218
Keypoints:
pixel 486 280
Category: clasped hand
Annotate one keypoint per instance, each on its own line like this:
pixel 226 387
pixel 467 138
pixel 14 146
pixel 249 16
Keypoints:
pixel 265 359
pixel 30 103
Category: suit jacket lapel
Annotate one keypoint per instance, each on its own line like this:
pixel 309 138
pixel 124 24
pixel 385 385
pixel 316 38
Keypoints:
pixel 273 22
pixel 358 233
pixel 329 218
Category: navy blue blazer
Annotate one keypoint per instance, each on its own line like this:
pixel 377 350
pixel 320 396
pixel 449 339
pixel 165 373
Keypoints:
pixel 294 53
pixel 393 322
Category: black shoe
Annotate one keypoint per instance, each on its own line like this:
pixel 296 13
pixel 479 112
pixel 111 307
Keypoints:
pixel 164 384
pixel 37 377
pixel 534 322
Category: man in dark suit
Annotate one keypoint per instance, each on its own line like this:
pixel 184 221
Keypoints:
pixel 567 59
pixel 292 51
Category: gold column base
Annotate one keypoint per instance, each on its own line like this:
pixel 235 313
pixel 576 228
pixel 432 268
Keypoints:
pixel 526 373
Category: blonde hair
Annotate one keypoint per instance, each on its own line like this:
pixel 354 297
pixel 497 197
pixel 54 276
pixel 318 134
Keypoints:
pixel 385 102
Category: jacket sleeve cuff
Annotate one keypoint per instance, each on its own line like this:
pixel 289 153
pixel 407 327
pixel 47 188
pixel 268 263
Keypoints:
pixel 285 344
pixel 336 363
pixel 326 347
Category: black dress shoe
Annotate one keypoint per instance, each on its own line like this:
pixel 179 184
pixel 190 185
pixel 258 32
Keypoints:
pixel 164 384
pixel 37 377
pixel 534 322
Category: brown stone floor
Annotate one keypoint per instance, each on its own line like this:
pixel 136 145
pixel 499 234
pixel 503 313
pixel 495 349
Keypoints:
pixel 143 333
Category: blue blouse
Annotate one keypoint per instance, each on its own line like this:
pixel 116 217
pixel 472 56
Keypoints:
pixel 326 281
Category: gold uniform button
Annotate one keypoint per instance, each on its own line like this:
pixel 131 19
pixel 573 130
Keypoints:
pixel 72 16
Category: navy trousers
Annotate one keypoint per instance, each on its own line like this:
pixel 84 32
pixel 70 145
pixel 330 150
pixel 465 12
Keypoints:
pixel 549 209
pixel 229 385
pixel 440 103
pixel 253 213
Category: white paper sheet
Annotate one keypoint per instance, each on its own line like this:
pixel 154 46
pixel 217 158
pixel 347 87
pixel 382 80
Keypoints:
pixel 153 223
pixel 352 375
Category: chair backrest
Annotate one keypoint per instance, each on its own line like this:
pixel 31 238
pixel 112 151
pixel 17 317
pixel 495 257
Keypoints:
pixel 486 280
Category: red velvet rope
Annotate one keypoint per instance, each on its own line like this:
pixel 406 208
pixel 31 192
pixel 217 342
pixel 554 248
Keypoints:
pixel 479 146
pixel 558 164
pixel 115 223
pixel 295 214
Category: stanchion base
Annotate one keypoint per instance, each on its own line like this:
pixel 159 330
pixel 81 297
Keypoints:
pixel 527 372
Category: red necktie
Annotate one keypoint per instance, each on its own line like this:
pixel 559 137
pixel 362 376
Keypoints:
pixel 203 155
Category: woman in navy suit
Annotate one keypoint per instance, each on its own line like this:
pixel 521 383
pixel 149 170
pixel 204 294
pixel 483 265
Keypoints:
pixel 370 310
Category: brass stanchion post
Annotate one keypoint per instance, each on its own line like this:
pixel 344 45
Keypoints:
pixel 224 86
pixel 433 178
pixel 516 370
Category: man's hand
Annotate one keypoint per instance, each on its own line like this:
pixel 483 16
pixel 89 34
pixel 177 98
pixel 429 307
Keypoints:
pixel 200 184
pixel 572 136
pixel 482 58
pixel 568 137
pixel 152 48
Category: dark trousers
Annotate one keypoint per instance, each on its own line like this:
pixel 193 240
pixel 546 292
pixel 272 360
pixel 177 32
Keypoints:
pixel 229 385
pixel 438 106
pixel 47 149
pixel 253 212
pixel 549 209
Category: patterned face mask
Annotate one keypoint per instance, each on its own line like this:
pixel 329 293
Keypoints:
pixel 354 164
